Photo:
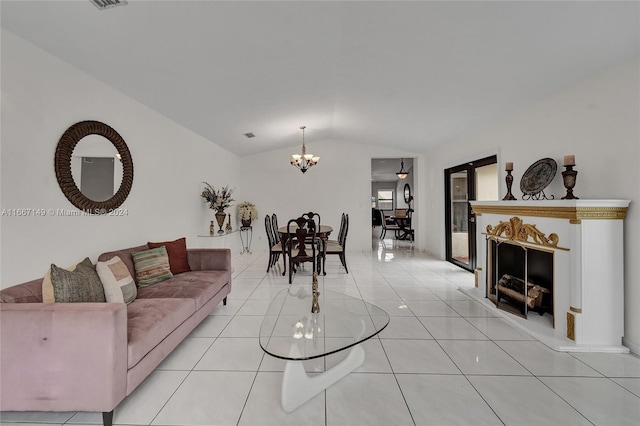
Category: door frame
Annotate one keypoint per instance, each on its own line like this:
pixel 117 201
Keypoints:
pixel 469 167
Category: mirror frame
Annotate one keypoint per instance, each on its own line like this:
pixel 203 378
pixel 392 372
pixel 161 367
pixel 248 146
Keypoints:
pixel 407 193
pixel 62 165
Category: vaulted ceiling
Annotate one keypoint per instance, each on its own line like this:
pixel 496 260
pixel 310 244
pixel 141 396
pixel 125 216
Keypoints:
pixel 406 74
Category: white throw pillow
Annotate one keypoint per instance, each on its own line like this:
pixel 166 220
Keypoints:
pixel 117 281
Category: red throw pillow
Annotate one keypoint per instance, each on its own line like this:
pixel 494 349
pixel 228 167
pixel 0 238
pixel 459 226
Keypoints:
pixel 177 252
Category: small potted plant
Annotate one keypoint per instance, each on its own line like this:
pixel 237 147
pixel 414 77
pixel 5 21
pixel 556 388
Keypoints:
pixel 246 212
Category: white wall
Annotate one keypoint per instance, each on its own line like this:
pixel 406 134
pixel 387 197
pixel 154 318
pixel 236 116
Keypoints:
pixel 41 97
pixel 341 182
pixel 598 121
pixel 487 185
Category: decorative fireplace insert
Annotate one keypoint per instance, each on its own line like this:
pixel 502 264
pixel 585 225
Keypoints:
pixel 520 278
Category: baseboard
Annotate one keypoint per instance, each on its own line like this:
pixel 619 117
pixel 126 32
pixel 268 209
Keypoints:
pixel 633 347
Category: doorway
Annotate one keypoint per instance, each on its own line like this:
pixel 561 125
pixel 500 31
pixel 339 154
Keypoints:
pixel 476 180
pixel 391 194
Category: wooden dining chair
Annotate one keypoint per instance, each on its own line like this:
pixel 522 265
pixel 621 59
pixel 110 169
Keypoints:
pixel 339 246
pixel 405 232
pixel 400 212
pixel 274 225
pixel 275 248
pixel 313 216
pixel 318 241
pixel 301 244
pixel 394 227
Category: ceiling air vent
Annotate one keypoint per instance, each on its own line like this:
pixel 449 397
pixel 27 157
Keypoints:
pixel 108 4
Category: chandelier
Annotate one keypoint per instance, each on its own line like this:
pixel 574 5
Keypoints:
pixel 304 161
pixel 402 174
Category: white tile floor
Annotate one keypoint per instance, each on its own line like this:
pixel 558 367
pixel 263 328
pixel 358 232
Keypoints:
pixel 443 360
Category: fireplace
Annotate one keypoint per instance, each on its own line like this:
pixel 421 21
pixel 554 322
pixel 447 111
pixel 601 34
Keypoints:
pixel 520 278
pixel 554 269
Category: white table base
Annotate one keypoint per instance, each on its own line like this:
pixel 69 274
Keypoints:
pixel 298 387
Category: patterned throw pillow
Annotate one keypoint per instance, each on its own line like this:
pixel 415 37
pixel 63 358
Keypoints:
pixel 177 252
pixel 117 281
pixel 47 286
pixel 80 285
pixel 152 266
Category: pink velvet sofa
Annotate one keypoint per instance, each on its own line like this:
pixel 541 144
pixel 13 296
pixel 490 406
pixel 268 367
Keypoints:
pixel 90 356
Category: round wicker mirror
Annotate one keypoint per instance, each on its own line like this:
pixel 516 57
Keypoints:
pixel 62 164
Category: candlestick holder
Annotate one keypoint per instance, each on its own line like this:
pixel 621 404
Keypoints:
pixel 569 180
pixel 509 180
pixel 315 306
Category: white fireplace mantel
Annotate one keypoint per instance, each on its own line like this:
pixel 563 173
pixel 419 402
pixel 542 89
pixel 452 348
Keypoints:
pixel 588 269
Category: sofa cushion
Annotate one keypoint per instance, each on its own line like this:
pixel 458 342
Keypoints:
pixel 152 266
pixel 149 321
pixel 125 256
pixel 118 283
pixel 29 292
pixel 177 252
pixel 200 286
pixel 80 285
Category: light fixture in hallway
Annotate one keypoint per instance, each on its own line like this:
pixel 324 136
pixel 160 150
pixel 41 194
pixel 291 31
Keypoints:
pixel 402 174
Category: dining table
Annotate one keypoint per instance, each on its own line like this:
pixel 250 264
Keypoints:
pixel 405 232
pixel 322 232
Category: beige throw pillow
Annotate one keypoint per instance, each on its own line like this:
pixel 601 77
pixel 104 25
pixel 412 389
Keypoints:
pixel 118 283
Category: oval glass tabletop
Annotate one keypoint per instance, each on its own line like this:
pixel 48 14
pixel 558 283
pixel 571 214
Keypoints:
pixel 290 331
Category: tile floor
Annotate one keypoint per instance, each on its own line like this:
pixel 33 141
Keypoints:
pixel 443 360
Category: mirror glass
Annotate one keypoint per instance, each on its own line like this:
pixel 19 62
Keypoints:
pixel 96 168
pixel 407 193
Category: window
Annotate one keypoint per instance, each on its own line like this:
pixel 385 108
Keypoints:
pixel 385 200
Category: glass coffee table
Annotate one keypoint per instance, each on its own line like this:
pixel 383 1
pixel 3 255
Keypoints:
pixel 292 332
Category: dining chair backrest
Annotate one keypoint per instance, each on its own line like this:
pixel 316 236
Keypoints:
pixel 341 227
pixel 274 226
pixel 338 247
pixel 269 230
pixel 341 231
pixel 394 227
pixel 344 228
pixel 313 216
pixel 400 212
pixel 301 231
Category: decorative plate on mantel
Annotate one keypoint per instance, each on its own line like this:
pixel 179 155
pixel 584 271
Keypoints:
pixel 538 176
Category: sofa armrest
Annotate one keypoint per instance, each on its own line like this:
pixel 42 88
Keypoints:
pixel 63 356
pixel 209 259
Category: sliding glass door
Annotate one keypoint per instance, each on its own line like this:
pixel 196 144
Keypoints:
pixel 477 180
